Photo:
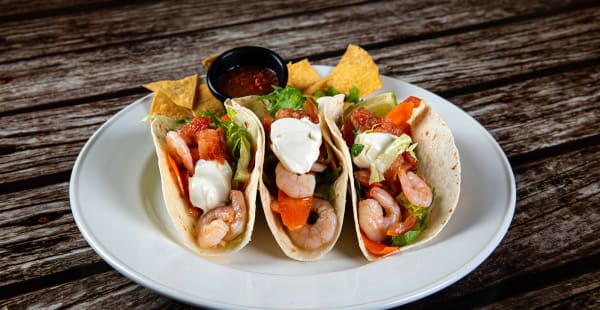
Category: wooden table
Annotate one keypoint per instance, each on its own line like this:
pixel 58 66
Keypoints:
pixel 529 71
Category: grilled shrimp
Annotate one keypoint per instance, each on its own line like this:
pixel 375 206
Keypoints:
pixel 238 224
pixel 223 223
pixel 213 226
pixel 321 232
pixel 371 219
pixel 177 147
pixel 293 184
pixel 415 189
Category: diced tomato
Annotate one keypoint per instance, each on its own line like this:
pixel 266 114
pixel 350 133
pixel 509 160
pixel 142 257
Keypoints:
pixel 388 126
pixel 294 211
pixel 298 114
pixel 348 132
pixel 212 144
pixel 312 110
pixel 363 120
pixel 410 162
pixel 363 176
pixel 188 131
pixel 267 121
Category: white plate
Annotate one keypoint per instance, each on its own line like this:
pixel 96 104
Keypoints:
pixel 117 204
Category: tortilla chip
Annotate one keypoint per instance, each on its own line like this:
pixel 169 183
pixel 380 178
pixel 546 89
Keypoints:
pixel 301 74
pixel 206 102
pixel 355 69
pixel 316 86
pixel 162 105
pixel 206 62
pixel 181 92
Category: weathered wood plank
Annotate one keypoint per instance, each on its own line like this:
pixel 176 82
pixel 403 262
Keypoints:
pixel 39 236
pixel 100 291
pixel 48 141
pixel 586 287
pixel 555 109
pixel 441 64
pixel 587 300
pixel 482 56
pixel 11 8
pixel 137 21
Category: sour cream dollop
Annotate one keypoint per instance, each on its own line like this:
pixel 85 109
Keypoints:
pixel 296 143
pixel 374 143
pixel 210 185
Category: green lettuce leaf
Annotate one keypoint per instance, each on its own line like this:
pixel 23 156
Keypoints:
pixel 385 159
pixel 284 98
pixel 356 149
pixel 418 212
pixel 353 95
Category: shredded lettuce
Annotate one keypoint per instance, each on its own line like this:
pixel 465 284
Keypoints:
pixel 385 159
pixel 352 96
pixel 418 212
pixel 165 120
pixel 284 98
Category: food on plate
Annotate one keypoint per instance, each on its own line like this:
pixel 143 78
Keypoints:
pixel 304 181
pixel 404 166
pixel 209 166
pixel 405 178
pixel 356 69
pixel 301 74
pixel 187 96
pixel 300 146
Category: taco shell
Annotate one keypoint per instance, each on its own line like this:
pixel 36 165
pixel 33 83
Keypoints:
pixel 439 165
pixel 176 203
pixel 340 187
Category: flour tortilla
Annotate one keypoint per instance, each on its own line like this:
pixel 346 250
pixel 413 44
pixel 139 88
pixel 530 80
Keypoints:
pixel 176 203
pixel 274 222
pixel 439 165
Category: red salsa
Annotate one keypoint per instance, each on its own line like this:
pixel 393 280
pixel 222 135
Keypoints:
pixel 247 80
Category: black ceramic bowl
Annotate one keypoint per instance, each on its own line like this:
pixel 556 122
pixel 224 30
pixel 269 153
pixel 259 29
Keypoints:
pixel 252 56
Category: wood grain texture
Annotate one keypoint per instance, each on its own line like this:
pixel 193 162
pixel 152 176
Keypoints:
pixel 22 10
pixel 137 21
pixel 77 75
pixel 48 141
pixel 39 236
pixel 100 291
pixel 481 56
pixel 539 113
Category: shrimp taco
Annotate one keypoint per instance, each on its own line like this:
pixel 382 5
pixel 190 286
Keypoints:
pixel 210 168
pixel 304 182
pixel 405 177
